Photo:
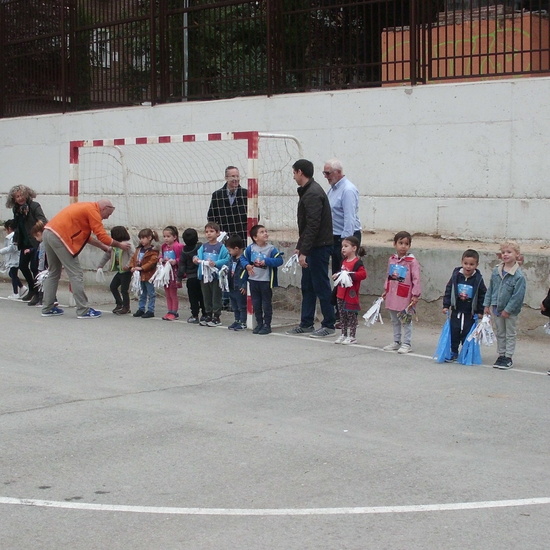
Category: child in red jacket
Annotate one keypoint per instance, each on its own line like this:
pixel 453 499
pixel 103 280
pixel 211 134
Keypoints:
pixel 348 296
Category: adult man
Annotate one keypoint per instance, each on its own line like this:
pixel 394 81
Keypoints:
pixel 313 248
pixel 228 207
pixel 344 205
pixel 64 237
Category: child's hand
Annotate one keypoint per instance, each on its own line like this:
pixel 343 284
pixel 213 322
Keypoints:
pixel 384 295
pixel 445 310
pixel 414 301
pixel 487 310
pixel 211 263
pixel 172 262
pixel 27 251
pixel 243 291
pixel 250 269
pixel 335 276
pixel 505 314
pixel 196 260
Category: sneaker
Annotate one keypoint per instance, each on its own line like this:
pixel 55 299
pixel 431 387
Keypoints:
pixel 506 364
pixel 338 325
pixel 122 311
pixel 204 320
pixel 392 347
pixel 322 332
pixel 90 314
pixel 193 320
pixel 240 326
pixel 148 315
pixel 404 348
pixel 53 312
pixel 349 340
pixel 39 304
pixel 117 308
pixel 169 317
pixel 28 296
pixel 498 363
pixel 452 358
pixel 14 297
pixel 300 330
pixel 548 371
pixel 266 329
pixel 340 339
pixel 34 300
pixel 22 291
pixel 214 322
pixel 256 329
pixel 139 313
pixel 233 325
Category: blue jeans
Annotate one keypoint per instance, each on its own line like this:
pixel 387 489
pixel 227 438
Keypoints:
pixel 262 301
pixel 238 305
pixel 147 295
pixel 316 284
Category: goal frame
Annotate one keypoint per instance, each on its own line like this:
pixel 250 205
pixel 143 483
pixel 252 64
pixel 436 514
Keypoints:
pixel 251 137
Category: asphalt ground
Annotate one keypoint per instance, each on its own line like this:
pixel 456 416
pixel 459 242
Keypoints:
pixel 124 433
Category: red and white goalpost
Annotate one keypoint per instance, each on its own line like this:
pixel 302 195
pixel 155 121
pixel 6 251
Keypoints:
pixel 168 180
pixel 157 181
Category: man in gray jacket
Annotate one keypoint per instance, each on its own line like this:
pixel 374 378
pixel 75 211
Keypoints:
pixel 314 248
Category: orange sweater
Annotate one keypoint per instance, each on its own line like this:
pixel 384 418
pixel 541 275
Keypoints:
pixel 75 224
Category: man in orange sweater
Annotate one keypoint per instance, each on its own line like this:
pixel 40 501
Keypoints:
pixel 64 237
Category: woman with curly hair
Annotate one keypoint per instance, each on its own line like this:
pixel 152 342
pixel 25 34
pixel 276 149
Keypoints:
pixel 26 212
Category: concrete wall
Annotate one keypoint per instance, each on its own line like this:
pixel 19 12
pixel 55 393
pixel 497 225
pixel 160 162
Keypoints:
pixel 465 160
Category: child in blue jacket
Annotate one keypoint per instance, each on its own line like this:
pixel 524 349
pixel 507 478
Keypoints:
pixel 261 260
pixel 504 300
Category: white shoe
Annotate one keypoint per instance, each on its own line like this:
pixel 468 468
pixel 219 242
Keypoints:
pixel 340 339
pixel 405 348
pixel 392 347
pixel 14 297
pixel 22 291
pixel 349 340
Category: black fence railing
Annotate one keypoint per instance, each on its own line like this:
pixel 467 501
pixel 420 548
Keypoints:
pixel 64 55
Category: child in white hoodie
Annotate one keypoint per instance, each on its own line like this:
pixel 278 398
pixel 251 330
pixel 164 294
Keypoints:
pixel 11 261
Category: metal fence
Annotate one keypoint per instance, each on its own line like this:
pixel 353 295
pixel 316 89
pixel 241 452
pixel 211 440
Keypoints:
pixel 64 55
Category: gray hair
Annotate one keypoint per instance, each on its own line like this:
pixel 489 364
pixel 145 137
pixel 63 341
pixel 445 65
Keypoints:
pixel 335 164
pixel 27 192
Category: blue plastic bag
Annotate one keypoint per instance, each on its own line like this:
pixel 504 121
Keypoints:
pixel 470 354
pixel 443 350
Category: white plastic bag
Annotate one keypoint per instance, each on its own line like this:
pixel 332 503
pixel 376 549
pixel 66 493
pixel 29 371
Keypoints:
pixel 373 314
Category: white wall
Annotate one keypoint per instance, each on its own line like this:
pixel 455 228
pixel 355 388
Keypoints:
pixel 467 160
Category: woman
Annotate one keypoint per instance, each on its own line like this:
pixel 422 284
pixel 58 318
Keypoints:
pixel 26 212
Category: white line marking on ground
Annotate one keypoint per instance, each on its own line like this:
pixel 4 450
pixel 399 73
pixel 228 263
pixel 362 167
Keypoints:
pixel 364 346
pixel 278 511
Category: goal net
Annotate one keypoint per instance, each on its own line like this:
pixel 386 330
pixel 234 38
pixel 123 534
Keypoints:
pixel 170 180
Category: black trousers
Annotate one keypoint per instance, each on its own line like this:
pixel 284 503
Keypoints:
pixel 195 296
pixel 461 323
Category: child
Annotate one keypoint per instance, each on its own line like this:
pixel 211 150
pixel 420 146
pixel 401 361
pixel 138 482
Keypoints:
pixel 40 260
pixel 261 260
pixel 237 282
pixel 401 290
pixel 188 270
pixel 12 254
pixel 170 252
pixel 216 255
pixel 464 296
pixel 348 297
pixel 119 263
pixel 145 260
pixel 504 300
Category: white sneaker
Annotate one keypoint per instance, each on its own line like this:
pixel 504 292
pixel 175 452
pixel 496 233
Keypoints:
pixel 349 340
pixel 392 347
pixel 22 291
pixel 405 348
pixel 340 339
pixel 14 297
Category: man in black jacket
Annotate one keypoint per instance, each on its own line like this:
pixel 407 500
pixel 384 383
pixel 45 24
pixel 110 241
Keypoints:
pixel 228 207
pixel 314 247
